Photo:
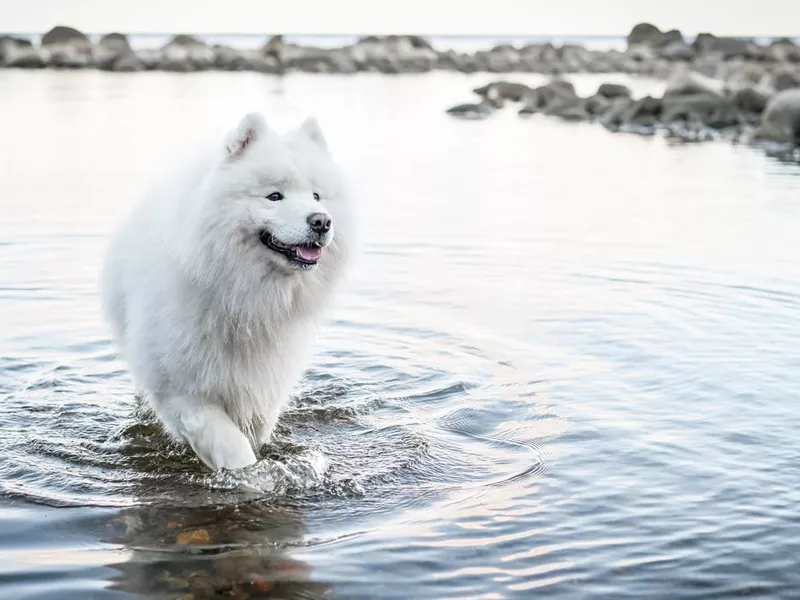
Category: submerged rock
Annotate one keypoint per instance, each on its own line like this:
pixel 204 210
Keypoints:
pixel 504 90
pixel 475 111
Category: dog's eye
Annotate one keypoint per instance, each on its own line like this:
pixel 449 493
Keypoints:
pixel 316 196
pixel 275 196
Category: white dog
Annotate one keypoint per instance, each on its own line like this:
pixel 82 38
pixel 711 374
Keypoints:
pixel 214 284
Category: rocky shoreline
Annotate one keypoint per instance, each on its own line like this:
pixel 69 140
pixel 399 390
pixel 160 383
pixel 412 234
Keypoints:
pixel 649 52
pixel 721 88
pixel 716 86
pixel 693 107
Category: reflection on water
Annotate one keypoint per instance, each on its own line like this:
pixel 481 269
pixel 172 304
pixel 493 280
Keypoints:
pixel 565 363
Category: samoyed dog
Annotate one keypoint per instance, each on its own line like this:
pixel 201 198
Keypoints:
pixel 214 284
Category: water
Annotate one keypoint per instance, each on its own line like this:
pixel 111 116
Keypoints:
pixel 564 366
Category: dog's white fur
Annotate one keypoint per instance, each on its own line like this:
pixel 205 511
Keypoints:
pixel 215 326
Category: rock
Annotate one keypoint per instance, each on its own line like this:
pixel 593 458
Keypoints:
pixel 597 105
pixel 318 60
pixel 645 34
pixel 677 51
pixel 503 58
pixel 504 90
pixel 25 58
pixel 557 92
pixel 419 43
pixel 711 110
pixel 672 36
pixel 61 35
pixel 785 79
pixel 750 100
pixel 67 48
pixel 230 59
pixel 688 82
pixel 728 47
pixel 613 90
pixel 150 58
pixel 784 50
pixel 193 536
pixel 19 52
pixel 392 54
pixel 185 53
pixel 129 63
pixel 781 119
pixel 110 49
pixel 470 111
pixel 745 76
pixel 642 115
pixel 569 109
pixel 274 46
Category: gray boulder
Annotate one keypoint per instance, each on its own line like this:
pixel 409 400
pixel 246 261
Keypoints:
pixel 184 53
pixel 12 47
pixel 750 100
pixel 129 62
pixel 65 35
pixel 15 52
pixel 685 82
pixel 678 50
pixel 785 79
pixel 504 90
pixel 645 34
pixel 711 110
pixel 784 50
pixel 781 119
pixel 556 93
pixel 67 48
pixel 641 115
pixel 728 47
pixel 613 90
pixel 110 49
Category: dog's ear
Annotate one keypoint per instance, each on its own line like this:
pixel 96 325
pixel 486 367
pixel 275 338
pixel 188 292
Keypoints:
pixel 250 128
pixel 312 130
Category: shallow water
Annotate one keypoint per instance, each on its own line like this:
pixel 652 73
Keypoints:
pixel 566 364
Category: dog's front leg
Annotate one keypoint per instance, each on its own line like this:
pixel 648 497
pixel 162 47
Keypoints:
pixel 208 429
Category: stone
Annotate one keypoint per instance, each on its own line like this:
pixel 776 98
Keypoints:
pixel 504 90
pixel 781 119
pixel 110 49
pixel 60 35
pixel 193 536
pixel 67 48
pixel 676 51
pixel 184 53
pixel 645 34
pixel 614 90
pixel 689 82
pixel 472 111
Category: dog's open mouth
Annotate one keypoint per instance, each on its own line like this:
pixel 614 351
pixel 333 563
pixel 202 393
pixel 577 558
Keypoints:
pixel 303 254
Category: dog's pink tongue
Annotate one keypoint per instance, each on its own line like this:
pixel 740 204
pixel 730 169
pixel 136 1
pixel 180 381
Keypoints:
pixel 308 252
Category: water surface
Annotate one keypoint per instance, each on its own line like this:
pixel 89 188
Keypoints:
pixel 566 364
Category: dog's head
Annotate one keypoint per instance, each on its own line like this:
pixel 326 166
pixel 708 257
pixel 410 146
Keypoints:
pixel 277 197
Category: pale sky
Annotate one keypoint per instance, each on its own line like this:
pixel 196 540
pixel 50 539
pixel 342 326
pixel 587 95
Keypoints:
pixel 466 17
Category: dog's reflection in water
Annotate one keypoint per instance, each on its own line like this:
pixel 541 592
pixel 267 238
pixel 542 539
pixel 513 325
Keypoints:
pixel 238 551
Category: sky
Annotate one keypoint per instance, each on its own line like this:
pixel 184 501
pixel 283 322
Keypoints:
pixel 431 17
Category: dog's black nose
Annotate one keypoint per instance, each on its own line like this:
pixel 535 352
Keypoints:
pixel 319 222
